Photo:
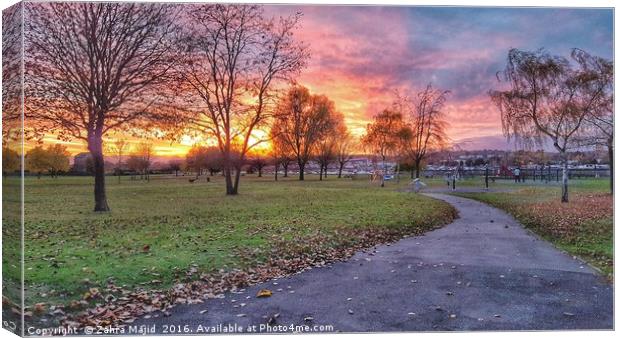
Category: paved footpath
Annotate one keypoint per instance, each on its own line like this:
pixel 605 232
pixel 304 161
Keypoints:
pixel 484 271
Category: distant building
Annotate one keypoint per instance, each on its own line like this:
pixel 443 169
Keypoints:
pixel 81 163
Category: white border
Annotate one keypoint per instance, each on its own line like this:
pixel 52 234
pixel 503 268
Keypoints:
pixel 472 3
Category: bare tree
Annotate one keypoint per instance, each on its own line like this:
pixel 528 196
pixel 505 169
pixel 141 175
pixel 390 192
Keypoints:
pixel 11 161
pixel 93 68
pixel 426 120
pixel 175 165
pixel 384 136
pixel 274 155
pixel 281 152
pixel 58 159
pixel 325 154
pixel 215 161
pixel 326 149
pixel 344 149
pixel 235 57
pixel 258 162
pixel 119 148
pixel 547 99
pixel 197 159
pixel 302 120
pixel 142 159
pixel 37 160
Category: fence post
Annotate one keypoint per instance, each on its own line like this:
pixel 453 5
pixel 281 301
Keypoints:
pixel 486 177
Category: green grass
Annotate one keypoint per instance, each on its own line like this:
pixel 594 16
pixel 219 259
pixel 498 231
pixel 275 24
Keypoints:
pixel 583 227
pixel 11 242
pixel 69 248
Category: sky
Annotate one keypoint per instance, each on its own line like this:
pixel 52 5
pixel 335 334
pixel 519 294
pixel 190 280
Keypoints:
pixel 361 55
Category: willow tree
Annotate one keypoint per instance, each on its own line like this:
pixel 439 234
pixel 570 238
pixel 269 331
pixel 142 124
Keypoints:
pixel 548 98
pixel 94 68
pixel 235 59
pixel 599 126
pixel 426 119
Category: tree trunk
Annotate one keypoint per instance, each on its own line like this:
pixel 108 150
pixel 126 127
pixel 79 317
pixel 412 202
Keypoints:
pixel 260 172
pixel 564 179
pixel 417 168
pixel 276 171
pixel 229 181
pixel 383 172
pixel 301 170
pixel 236 184
pixel 398 172
pixel 285 170
pixel 610 152
pixel 340 169
pixel 320 172
pixel 95 146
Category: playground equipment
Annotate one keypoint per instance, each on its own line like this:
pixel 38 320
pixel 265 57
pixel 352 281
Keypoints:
pixel 417 185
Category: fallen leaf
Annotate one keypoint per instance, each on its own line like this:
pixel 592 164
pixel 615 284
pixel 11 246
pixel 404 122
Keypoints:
pixel 39 308
pixel 264 293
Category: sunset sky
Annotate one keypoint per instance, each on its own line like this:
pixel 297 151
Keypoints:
pixel 361 55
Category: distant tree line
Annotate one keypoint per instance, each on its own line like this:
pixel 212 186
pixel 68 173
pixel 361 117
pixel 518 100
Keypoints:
pixel 52 160
pixel 224 72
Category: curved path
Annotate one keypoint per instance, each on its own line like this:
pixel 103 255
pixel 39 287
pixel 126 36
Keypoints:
pixel 484 271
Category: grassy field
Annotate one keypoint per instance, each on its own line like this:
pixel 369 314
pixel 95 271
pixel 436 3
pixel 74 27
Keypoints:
pixel 159 230
pixel 582 227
